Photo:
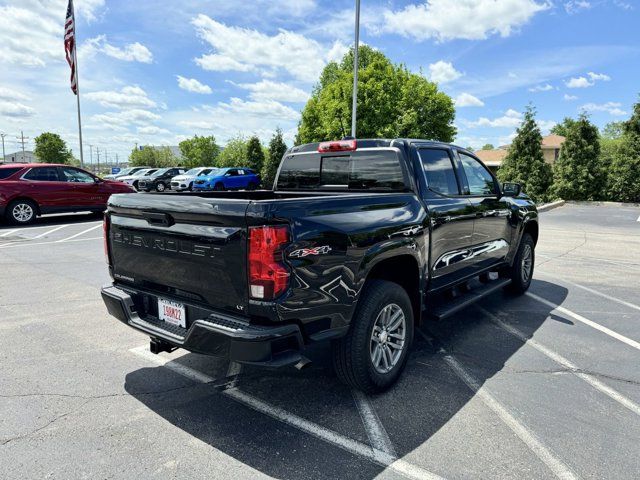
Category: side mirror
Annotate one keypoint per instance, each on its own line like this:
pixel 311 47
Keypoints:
pixel 97 180
pixel 511 189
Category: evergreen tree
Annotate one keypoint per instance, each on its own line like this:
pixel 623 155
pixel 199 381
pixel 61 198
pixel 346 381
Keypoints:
pixel 624 173
pixel 525 163
pixel 578 173
pixel 277 149
pixel 563 127
pixel 255 154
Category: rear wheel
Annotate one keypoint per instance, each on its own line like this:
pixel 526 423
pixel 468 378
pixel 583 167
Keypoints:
pixel 190 187
pixel 521 272
pixel 372 355
pixel 22 212
pixel 252 186
pixel 219 187
pixel 160 187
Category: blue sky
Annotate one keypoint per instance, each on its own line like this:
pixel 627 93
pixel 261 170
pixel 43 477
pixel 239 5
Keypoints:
pixel 157 72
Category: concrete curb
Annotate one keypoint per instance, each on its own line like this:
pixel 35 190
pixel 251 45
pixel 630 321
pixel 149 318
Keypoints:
pixel 598 203
pixel 551 206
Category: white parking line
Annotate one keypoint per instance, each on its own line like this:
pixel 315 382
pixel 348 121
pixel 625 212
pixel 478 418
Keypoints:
pixel 48 232
pixel 378 436
pixel 318 431
pixel 540 450
pixel 586 321
pixel 54 242
pixel 8 232
pixel 95 227
pixel 595 292
pixel 559 359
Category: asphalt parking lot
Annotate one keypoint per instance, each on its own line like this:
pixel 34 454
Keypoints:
pixel 541 386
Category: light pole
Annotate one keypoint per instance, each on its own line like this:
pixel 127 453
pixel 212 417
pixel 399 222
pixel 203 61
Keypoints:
pixel 354 108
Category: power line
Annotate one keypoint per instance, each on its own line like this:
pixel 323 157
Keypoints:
pixel 22 140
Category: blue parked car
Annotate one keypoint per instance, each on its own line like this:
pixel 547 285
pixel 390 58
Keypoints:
pixel 228 179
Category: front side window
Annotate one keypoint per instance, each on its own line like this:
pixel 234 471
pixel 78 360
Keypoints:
pixel 438 168
pixel 43 174
pixel 478 177
pixel 76 176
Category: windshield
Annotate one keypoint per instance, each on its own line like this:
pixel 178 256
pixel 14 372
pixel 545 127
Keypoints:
pixel 209 171
pixel 162 171
pixel 124 171
pixel 140 173
pixel 193 171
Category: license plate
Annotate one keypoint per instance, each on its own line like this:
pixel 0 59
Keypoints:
pixel 172 312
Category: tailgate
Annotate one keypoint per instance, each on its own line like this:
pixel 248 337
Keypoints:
pixel 184 247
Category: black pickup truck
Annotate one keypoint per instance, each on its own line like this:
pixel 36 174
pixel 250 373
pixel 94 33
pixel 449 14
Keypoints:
pixel 358 242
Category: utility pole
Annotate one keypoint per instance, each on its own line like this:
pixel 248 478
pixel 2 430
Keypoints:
pixel 98 155
pixel 22 139
pixel 4 156
pixel 354 109
pixel 91 155
pixel 117 161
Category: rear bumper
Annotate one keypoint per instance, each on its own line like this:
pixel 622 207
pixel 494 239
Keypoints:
pixel 215 334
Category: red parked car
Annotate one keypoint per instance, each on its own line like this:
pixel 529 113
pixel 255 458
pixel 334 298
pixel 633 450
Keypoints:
pixel 32 189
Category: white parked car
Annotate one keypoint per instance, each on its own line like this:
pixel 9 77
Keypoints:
pixel 185 181
pixel 125 172
pixel 136 177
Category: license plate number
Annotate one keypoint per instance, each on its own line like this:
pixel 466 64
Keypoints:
pixel 172 312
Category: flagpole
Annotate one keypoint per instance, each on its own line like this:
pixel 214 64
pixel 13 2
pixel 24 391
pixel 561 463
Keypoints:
pixel 354 108
pixel 75 61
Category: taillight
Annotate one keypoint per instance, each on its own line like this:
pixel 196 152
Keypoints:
pixel 338 146
pixel 105 233
pixel 268 276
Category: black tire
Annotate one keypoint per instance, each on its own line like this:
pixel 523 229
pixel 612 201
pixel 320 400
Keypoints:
pixel 352 354
pixel 252 186
pixel 521 272
pixel 160 187
pixel 190 187
pixel 219 187
pixel 18 210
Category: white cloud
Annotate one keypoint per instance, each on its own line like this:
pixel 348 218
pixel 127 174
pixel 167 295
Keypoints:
pixel 598 76
pixel 131 96
pixel 569 98
pixel 546 125
pixel 510 119
pixel 574 6
pixel 153 130
pixel 541 88
pixel 269 90
pixel 132 52
pixel 11 108
pixel 583 82
pixel 30 30
pixel 244 49
pixel 9 94
pixel 468 19
pixel 578 82
pixel 193 85
pixel 443 72
pixel 468 100
pixel 266 108
pixel 612 108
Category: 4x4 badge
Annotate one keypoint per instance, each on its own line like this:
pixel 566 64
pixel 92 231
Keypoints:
pixel 305 252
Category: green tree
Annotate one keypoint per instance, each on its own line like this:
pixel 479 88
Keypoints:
pixel 51 148
pixel 578 173
pixel 199 151
pixel 392 102
pixel 525 163
pixel 277 149
pixel 613 130
pixel 156 157
pixel 563 127
pixel 488 146
pixel 255 154
pixel 234 154
pixel 624 180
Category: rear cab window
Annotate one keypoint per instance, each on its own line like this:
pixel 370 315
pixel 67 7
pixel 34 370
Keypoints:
pixel 8 172
pixel 439 171
pixel 374 170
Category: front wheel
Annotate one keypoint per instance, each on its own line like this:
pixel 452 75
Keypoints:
pixel 521 272
pixel 219 187
pixel 373 354
pixel 22 212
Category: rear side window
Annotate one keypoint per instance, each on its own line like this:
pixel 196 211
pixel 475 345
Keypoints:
pixel 7 172
pixel 438 168
pixel 43 174
pixel 361 171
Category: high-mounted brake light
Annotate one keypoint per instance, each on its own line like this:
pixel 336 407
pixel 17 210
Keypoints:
pixel 338 146
pixel 268 275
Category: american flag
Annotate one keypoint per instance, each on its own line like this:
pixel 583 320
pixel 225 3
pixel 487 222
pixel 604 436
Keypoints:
pixel 70 45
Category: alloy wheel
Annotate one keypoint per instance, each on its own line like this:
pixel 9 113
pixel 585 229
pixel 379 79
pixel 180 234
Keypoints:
pixel 22 212
pixel 388 338
pixel 527 263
